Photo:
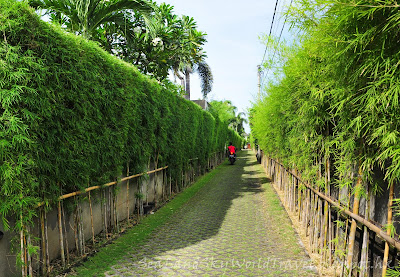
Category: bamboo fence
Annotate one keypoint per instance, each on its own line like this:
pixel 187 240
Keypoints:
pixel 109 216
pixel 319 214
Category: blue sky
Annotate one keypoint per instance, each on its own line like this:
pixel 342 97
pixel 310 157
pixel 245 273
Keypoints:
pixel 233 48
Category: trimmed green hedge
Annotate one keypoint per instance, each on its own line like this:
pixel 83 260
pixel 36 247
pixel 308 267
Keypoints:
pixel 71 115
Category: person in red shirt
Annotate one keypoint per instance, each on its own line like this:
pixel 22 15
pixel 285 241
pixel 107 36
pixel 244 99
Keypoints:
pixel 232 149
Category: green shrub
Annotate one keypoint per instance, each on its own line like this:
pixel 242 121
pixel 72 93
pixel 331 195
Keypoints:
pixel 73 115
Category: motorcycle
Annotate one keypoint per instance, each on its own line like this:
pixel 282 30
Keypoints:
pixel 232 158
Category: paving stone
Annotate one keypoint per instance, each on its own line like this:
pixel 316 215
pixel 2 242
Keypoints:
pixel 226 229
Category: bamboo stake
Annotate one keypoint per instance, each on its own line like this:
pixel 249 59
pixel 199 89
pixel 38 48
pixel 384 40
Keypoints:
pixel 76 231
pixel 353 227
pixel 47 244
pixel 115 211
pixel 25 254
pixel 364 251
pixel 82 231
pixel 326 212
pixel 346 231
pixel 104 213
pixel 309 212
pixel 330 236
pixel 65 231
pixel 321 228
pixel 299 200
pixel 30 272
pixel 43 244
pixel 389 222
pixel 127 192
pixel 61 237
pixel 22 245
pixel 91 217
pixel 109 209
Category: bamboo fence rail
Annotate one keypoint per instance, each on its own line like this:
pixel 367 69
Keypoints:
pixel 76 193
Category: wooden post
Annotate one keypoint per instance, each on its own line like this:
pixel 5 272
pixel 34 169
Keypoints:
pixel 389 222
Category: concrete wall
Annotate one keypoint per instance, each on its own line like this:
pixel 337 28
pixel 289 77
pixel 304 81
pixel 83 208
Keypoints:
pixel 154 186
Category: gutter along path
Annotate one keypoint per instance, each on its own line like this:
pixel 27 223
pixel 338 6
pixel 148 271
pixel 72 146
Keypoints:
pixel 233 226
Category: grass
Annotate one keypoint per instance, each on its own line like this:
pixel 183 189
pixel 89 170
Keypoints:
pixel 138 235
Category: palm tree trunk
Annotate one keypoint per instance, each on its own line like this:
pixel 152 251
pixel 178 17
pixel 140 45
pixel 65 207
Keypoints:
pixel 187 84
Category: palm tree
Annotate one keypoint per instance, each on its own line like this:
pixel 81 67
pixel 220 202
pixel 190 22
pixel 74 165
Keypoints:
pixel 239 123
pixel 84 17
pixel 191 57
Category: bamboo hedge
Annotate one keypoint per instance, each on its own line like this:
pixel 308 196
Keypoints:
pixel 332 112
pixel 72 115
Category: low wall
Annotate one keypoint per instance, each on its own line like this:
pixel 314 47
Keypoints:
pixel 89 214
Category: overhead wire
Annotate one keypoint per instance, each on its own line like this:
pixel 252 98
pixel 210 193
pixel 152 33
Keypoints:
pixel 263 78
pixel 270 30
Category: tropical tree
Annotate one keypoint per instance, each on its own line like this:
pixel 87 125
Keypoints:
pixel 192 58
pixel 85 17
pixel 238 123
pixel 224 110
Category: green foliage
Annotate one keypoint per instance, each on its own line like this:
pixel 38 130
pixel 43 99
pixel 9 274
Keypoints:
pixel 336 94
pixel 73 115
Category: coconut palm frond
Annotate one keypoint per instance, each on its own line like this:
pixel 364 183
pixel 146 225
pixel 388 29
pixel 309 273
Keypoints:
pixel 206 78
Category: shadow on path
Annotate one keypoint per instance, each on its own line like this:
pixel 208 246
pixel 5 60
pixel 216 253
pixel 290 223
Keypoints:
pixel 223 230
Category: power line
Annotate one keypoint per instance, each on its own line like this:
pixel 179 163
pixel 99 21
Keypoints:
pixel 279 39
pixel 270 30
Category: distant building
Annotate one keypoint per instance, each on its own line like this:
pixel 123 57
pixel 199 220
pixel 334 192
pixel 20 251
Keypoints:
pixel 202 103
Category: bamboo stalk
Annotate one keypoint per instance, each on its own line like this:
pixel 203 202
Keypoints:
pixel 127 192
pixel 30 269
pixel 43 243
pixel 389 221
pixel 76 193
pixel 25 253
pixel 65 232
pixel 22 245
pixel 353 228
pixel 61 237
pixel 364 250
pixel 104 211
pixel 346 232
pixel 330 237
pixel 326 212
pixel 299 201
pixel 91 217
pixel 76 231
pixel 115 211
pixel 82 229
pixel 47 243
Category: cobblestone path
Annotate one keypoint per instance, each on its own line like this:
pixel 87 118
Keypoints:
pixel 234 226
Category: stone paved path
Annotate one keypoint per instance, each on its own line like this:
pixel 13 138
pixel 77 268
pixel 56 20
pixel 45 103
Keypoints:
pixel 234 226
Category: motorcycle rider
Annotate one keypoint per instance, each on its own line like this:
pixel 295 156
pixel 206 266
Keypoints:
pixel 232 149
